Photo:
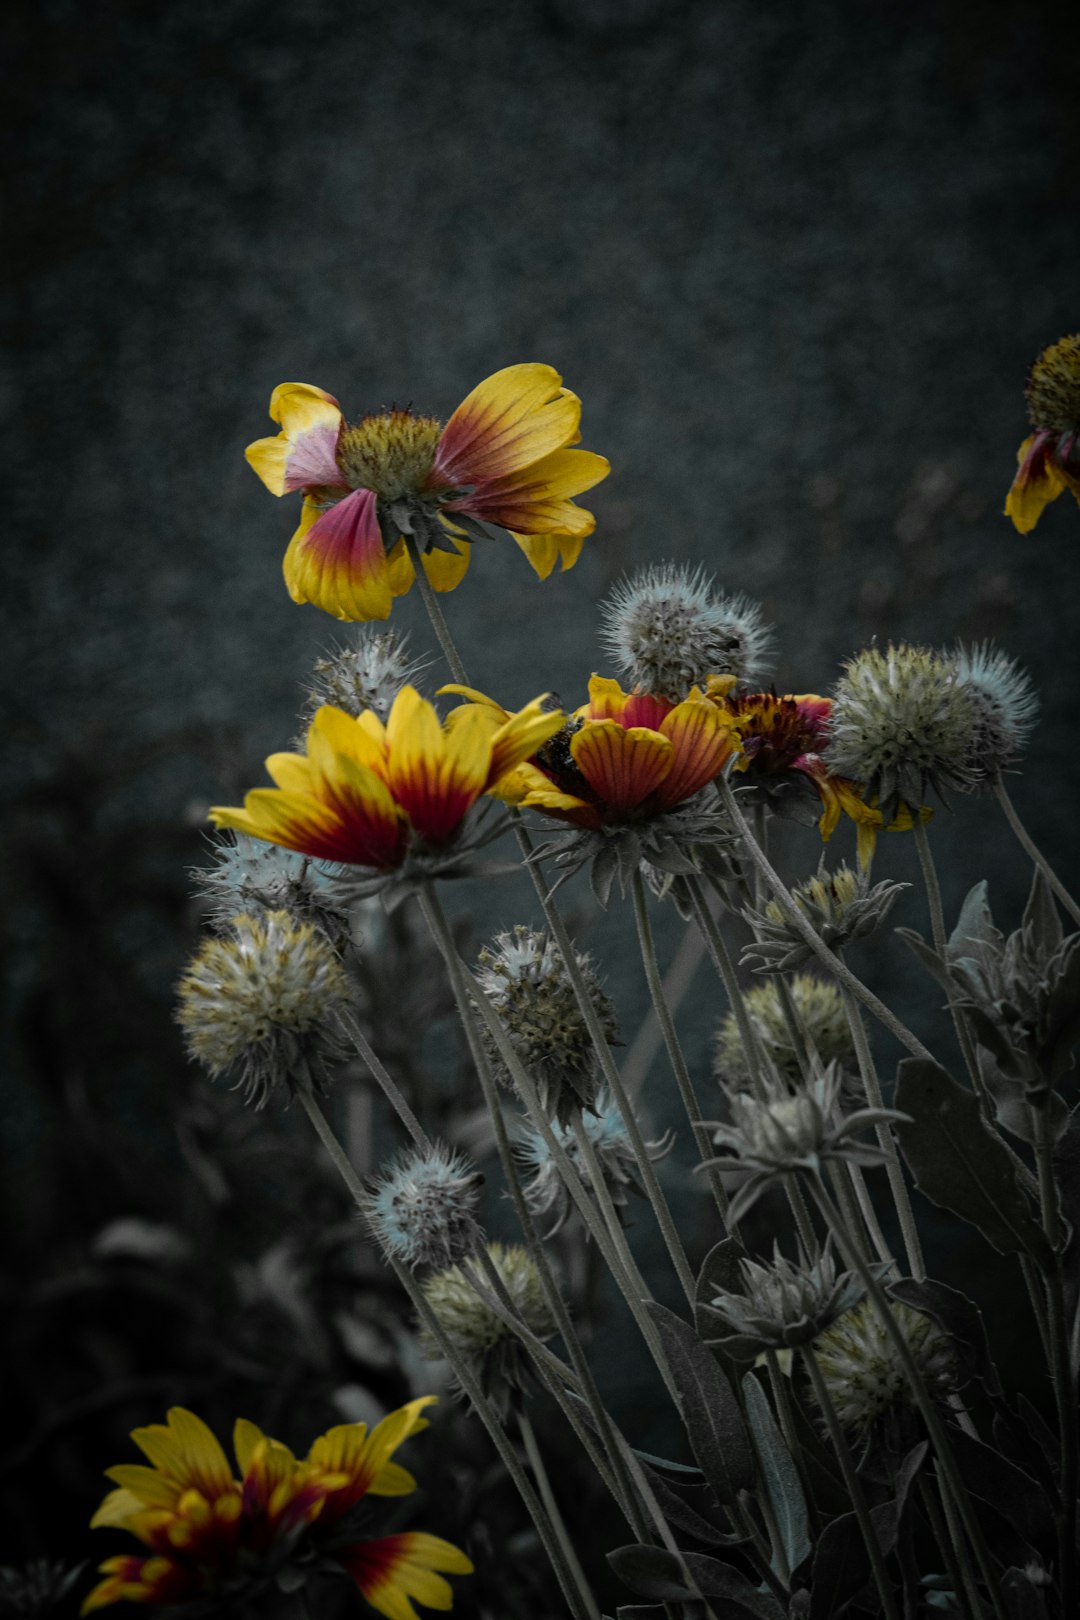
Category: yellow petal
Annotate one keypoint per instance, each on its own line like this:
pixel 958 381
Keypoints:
pixel 268 457
pixel 337 561
pixel 1033 488
pixel 187 1451
pixel 621 766
pixel 510 420
pixel 290 772
pixel 299 407
pixel 522 734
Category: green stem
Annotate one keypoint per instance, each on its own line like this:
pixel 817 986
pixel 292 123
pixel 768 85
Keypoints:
pixel 1033 851
pixel 720 957
pixel 467 1378
pixel 799 921
pixel 886 1141
pixel 558 1523
pixel 675 1053
pixel 1064 1384
pixel 886 1591
pixel 391 1089
pixel 642 1050
pixel 645 1168
pixel 923 1400
pixel 435 613
pixel 937 929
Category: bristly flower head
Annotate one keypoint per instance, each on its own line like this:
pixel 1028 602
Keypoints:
pixel 262 1001
pixel 840 906
pixel 366 674
pixel 423 1209
pixel 503 458
pixel 1003 707
pixel 666 631
pixel 547 1193
pixel 819 1008
pixel 781 1304
pixel 479 1335
pixel 862 1372
pixel 524 976
pixel 251 876
pixel 901 724
pixel 790 1135
pixel 1050 457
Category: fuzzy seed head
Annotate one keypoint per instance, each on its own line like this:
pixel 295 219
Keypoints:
pixel 368 673
pixel 391 452
pixel 862 1371
pixel 423 1209
pixel 255 878
pixel 819 1007
pixel 478 1335
pixel 545 1190
pixel 524 976
pixel 1003 709
pixel 667 630
pixel 901 723
pixel 1053 387
pixel 262 1001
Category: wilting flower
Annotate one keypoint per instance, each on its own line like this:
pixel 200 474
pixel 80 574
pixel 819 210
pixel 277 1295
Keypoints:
pixel 781 1305
pixel 901 724
pixel 1003 709
pixel 367 673
pixel 840 906
pixel 795 1134
pixel 1050 457
pixel 819 1010
pixel 782 765
pixel 423 1210
pixel 547 1193
pixel 264 1000
pixel 525 978
pixel 502 458
pixel 477 1332
pixel 372 795
pixel 861 1367
pixel 252 877
pixel 209 1533
pixel 667 631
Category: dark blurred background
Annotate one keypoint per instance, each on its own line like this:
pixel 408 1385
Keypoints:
pixel 795 259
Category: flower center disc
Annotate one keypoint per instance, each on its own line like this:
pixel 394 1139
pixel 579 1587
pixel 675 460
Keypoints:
pixel 391 453
pixel 1053 389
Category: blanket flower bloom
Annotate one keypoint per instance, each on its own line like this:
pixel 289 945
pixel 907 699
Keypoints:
pixel 1049 458
pixel 782 743
pixel 503 458
pixel 367 793
pixel 206 1530
pixel 624 757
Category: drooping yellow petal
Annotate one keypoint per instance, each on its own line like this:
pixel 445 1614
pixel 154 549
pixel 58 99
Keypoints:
pixel 302 454
pixel 338 562
pixel 1037 483
pixel 621 766
pixel 510 420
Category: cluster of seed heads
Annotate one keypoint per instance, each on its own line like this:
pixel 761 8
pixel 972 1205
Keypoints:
pixel 666 630
pixel 261 1001
pixel 861 1368
pixel 423 1209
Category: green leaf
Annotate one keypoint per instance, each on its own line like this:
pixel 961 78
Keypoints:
pixel 719 1274
pixel 653 1572
pixel 959 1164
pixel 957 1316
pixel 1041 921
pixel 779 1475
pixel 709 1410
pixel 929 958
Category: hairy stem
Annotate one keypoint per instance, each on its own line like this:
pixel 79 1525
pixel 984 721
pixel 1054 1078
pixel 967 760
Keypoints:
pixel 1033 851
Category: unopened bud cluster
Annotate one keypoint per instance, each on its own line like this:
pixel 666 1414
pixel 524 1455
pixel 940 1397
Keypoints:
pixel 423 1209
pixel 840 906
pixel 666 630
pixel 525 978
pixel 262 1001
pixel 781 1304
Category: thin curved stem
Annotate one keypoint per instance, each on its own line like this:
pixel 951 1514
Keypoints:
pixel 1033 851
pixel 937 929
pixel 435 613
pixel 547 1496
pixel 390 1087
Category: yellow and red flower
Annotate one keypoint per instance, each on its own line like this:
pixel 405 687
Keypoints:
pixel 503 458
pixel 1049 458
pixel 366 793
pixel 204 1528
pixel 783 739
pixel 623 757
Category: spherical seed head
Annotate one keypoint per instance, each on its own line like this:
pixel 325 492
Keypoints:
pixel 820 1010
pixel 1053 387
pixel 1003 709
pixel 901 723
pixel 391 452
pixel 252 877
pixel 524 976
pixel 366 674
pixel 666 631
pixel 262 1000
pixel 475 1331
pixel 423 1209
pixel 862 1370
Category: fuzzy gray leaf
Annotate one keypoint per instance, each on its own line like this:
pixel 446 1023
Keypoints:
pixel 710 1412
pixel 779 1474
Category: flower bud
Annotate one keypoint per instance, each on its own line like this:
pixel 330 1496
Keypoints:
pixel 1003 710
pixel 254 877
pixel 423 1209
pixel 546 1192
pixel 819 1009
pixel 840 906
